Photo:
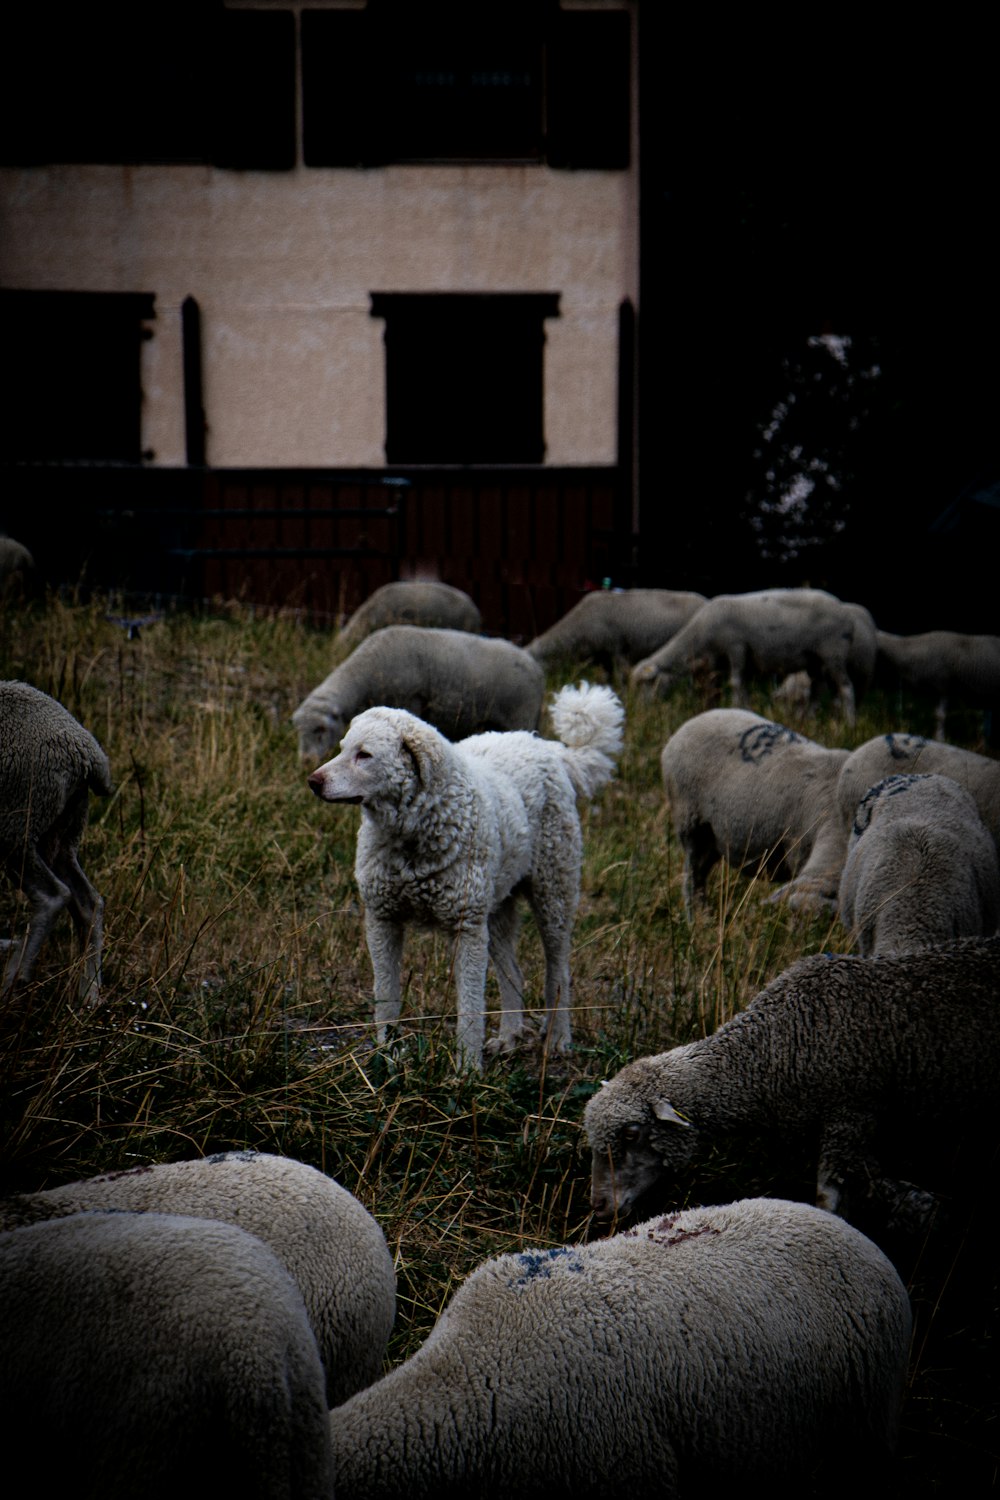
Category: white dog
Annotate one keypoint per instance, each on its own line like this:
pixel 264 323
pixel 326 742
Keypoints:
pixel 452 834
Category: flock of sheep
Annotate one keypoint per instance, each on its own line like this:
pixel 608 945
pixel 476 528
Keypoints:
pixel 222 1323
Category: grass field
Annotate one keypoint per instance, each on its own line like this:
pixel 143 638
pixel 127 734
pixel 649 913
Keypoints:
pixel 237 993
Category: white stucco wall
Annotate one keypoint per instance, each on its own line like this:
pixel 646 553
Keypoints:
pixel 282 265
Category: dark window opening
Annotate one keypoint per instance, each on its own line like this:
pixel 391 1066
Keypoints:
pixel 464 376
pixel 498 80
pixel 150 82
pixel 71 376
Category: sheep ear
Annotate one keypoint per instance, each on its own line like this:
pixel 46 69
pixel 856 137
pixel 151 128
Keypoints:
pixel 664 1110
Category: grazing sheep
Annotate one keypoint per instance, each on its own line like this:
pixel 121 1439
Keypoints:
pixel 771 632
pixel 17 568
pixel 49 765
pixel 834 1048
pixel 156 1355
pixel 327 1241
pixel 452 835
pixel 614 626
pixel 946 664
pixel 757 1341
pixel 752 792
pixel 921 867
pixel 900 754
pixel 417 602
pixel 462 684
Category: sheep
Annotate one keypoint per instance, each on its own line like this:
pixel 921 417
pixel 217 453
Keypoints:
pixel 326 1240
pixel 945 664
pixel 462 684
pixel 921 867
pixel 157 1355
pixel 834 1048
pixel 744 1342
pixel 49 764
pixel 773 631
pixel 896 754
pixel 17 568
pixel 614 626
pixel 752 792
pixel 416 602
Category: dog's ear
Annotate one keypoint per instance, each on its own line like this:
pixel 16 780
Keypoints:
pixel 426 749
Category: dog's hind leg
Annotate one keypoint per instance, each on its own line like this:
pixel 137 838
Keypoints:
pixel 505 924
pixel 385 946
pixel 470 980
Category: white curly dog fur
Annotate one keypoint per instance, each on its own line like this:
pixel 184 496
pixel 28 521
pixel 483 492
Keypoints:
pixel 452 834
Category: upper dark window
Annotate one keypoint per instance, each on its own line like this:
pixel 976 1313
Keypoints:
pixel 463 376
pixel 451 80
pixel 71 376
pixel 148 81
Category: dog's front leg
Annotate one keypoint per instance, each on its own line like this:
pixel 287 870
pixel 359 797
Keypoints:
pixel 385 945
pixel 470 981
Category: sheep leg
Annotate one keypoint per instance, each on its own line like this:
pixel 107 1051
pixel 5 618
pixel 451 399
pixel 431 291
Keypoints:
pixel 843 1155
pixel 48 896
pixel 86 907
pixel 845 692
pixel 737 662
pixel 470 979
pixel 385 947
pixel 700 858
pixel 503 927
pixel 941 718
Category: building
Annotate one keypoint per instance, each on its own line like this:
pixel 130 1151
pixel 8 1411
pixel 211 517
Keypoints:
pixel 299 295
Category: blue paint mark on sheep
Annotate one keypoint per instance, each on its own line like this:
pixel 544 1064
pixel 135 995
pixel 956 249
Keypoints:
pixel 540 1263
pixel 759 740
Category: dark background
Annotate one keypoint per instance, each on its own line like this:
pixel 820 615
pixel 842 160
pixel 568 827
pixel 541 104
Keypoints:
pixel 810 176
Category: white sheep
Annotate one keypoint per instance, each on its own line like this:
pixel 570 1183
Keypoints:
pixel 156 1355
pixel 900 754
pixel 615 626
pixel 462 684
pixel 943 663
pixel 833 1049
pixel 921 867
pixel 754 1342
pixel 49 765
pixel 326 1240
pixel 411 602
pixel 746 790
pixel 771 632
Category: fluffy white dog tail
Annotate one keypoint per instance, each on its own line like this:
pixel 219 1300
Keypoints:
pixel 589 721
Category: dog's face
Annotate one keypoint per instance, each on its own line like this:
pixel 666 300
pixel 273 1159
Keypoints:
pixel 385 756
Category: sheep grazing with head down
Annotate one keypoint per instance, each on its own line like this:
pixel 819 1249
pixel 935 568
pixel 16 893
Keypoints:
pixel 921 867
pixel 835 1048
pixel 462 684
pixel 905 754
pixel 945 664
pixel 769 633
pixel 49 765
pixel 755 1341
pixel 326 1240
pixel 411 602
pixel 157 1355
pixel 615 627
pixel 752 792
